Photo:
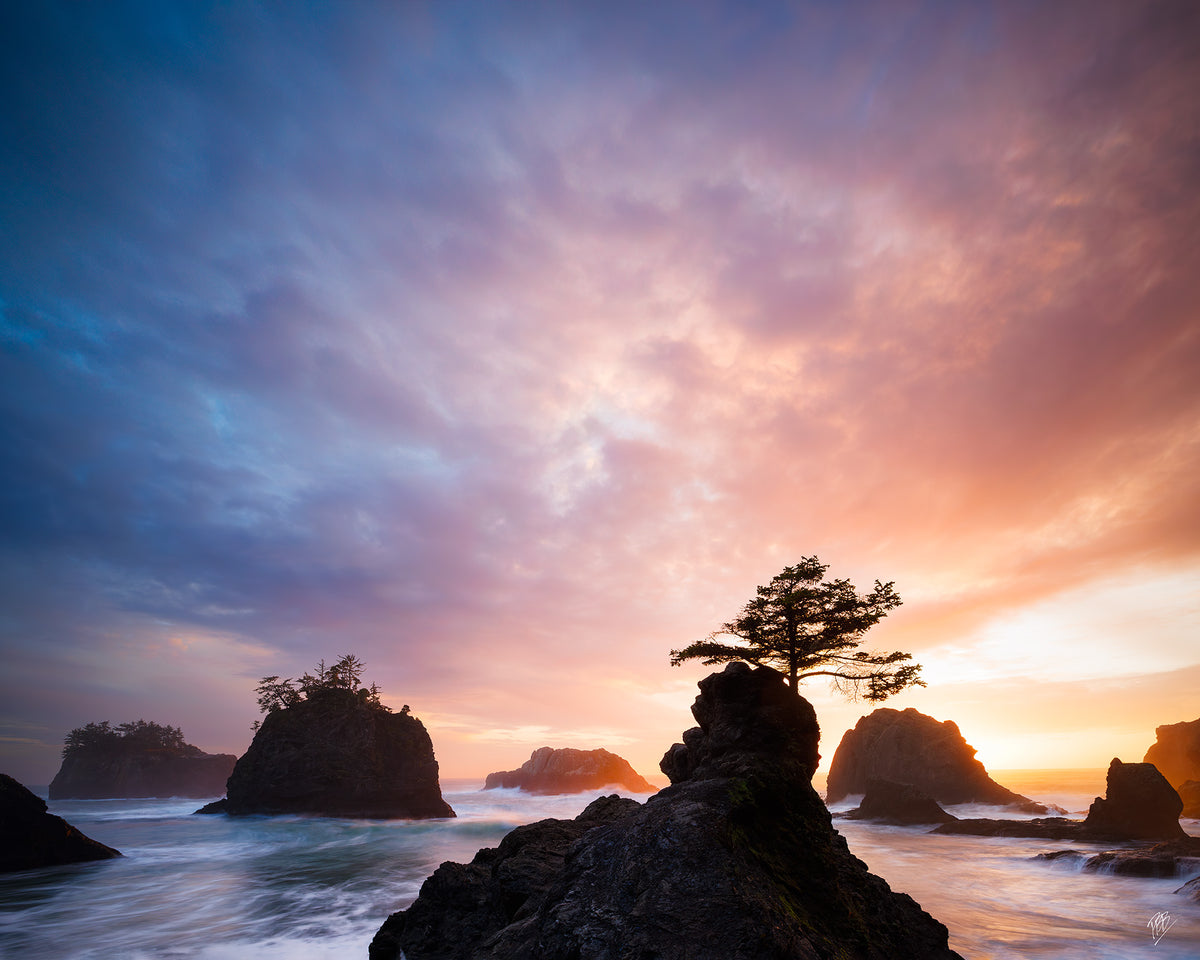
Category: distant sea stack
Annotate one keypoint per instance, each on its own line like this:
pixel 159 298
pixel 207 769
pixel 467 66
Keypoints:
pixel 1176 752
pixel 31 838
pixel 907 746
pixel 570 771
pixel 137 759
pixel 736 860
pixel 336 754
pixel 1138 804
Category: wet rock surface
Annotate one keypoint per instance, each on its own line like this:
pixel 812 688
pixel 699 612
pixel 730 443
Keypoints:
pixel 736 860
pixel 31 837
pixel 567 770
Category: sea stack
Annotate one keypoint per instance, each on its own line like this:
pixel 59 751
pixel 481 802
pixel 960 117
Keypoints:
pixel 906 746
pixel 1138 804
pixel 1176 754
pixel 30 837
pixel 570 771
pixel 335 754
pixel 137 759
pixel 736 860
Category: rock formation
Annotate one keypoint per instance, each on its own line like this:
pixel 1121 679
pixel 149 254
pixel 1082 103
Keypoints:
pixel 736 860
pixel 1176 752
pixel 570 771
pixel 135 771
pixel 1138 805
pixel 1189 793
pixel 898 803
pixel 906 746
pixel 335 755
pixel 30 837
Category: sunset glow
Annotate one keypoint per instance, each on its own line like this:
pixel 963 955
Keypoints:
pixel 509 348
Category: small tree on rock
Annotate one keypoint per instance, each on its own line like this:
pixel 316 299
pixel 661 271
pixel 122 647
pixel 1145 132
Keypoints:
pixel 805 627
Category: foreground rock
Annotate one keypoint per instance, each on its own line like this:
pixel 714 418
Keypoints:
pixel 736 860
pixel 335 755
pixel 138 759
pixel 906 746
pixel 570 771
pixel 900 804
pixel 1138 805
pixel 1176 752
pixel 30 837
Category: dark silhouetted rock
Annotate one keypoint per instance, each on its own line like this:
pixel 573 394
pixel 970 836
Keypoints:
pixel 1176 752
pixel 570 771
pixel 907 746
pixel 1191 890
pixel 335 755
pixel 134 771
pixel 736 860
pixel 31 838
pixel 1138 804
pixel 898 803
pixel 1172 858
pixel 1189 793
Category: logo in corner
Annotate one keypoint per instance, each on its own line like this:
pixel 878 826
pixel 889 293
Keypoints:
pixel 1159 924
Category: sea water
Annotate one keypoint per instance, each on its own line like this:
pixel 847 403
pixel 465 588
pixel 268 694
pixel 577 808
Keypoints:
pixel 269 888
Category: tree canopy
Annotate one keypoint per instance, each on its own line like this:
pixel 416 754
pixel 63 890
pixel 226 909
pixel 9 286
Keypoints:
pixel 275 693
pixel 805 626
pixel 136 734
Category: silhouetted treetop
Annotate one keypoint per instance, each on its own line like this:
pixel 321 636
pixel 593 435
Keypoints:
pixel 344 675
pixel 805 627
pixel 137 734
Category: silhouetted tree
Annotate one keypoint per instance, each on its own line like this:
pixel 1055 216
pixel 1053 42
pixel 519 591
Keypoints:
pixel 138 734
pixel 345 674
pixel 806 627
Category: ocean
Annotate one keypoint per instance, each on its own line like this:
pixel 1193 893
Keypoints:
pixel 270 888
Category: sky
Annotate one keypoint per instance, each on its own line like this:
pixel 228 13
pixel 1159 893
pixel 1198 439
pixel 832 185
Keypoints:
pixel 510 346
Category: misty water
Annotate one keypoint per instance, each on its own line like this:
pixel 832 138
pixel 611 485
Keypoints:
pixel 216 888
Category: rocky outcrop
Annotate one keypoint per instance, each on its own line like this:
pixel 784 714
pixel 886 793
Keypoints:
pixel 1176 752
pixel 1189 793
pixel 140 772
pixel 1138 805
pixel 736 860
pixel 30 837
pixel 570 771
pixel 335 755
pixel 900 804
pixel 906 746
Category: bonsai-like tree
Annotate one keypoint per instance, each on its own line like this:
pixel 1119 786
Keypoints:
pixel 805 626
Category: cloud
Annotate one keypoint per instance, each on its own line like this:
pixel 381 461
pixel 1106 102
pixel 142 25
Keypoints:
pixel 505 347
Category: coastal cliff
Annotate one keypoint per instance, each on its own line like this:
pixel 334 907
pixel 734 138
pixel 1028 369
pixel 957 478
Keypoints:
pixel 337 755
pixel 906 746
pixel 30 837
pixel 570 771
pixel 736 860
pixel 1176 754
pixel 137 759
